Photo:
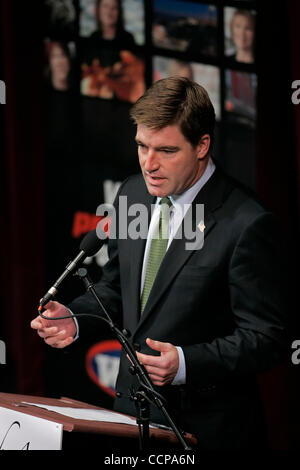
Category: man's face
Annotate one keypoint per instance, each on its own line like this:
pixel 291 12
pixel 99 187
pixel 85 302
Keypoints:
pixel 169 163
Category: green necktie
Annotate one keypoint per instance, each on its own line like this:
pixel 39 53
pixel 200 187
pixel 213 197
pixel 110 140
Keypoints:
pixel 158 249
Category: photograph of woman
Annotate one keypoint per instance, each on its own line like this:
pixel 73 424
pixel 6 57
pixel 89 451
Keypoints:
pixel 239 35
pixel 59 64
pixel 109 64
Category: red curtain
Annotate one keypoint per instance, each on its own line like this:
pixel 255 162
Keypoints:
pixel 278 158
pixel 22 174
pixel 294 40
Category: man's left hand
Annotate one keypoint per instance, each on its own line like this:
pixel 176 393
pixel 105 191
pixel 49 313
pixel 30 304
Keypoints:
pixel 161 369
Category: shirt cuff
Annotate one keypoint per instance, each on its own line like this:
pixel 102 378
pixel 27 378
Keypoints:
pixel 76 324
pixel 180 377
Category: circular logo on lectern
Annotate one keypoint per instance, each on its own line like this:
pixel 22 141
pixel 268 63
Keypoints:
pixel 102 365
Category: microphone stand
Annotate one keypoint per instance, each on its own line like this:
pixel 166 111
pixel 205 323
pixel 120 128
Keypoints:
pixel 147 394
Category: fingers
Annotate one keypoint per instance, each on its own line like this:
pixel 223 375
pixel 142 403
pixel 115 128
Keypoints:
pixel 163 368
pixel 157 361
pixel 46 332
pixel 156 364
pixel 62 343
pixel 52 309
pixel 159 345
pixel 36 323
pixel 58 340
pixel 159 381
pixel 160 375
pixel 148 360
pixel 52 306
pixel 56 333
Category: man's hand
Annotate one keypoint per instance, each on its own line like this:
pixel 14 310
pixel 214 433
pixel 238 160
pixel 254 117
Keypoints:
pixel 161 369
pixel 56 333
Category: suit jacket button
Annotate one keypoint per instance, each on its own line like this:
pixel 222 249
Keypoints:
pixel 137 346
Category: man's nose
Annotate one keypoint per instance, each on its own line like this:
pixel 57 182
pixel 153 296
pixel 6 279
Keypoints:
pixel 151 161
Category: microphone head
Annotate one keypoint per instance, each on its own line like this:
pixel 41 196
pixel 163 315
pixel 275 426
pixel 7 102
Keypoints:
pixel 91 243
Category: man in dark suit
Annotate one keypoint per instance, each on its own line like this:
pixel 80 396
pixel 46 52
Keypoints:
pixel 205 318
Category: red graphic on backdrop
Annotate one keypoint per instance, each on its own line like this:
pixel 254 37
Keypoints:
pixel 84 222
pixel 102 365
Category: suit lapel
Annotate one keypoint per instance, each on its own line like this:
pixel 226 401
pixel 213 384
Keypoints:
pixel 211 195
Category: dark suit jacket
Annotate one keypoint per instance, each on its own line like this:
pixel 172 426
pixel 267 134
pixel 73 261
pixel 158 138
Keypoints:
pixel 223 304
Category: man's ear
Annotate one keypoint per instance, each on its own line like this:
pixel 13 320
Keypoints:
pixel 203 146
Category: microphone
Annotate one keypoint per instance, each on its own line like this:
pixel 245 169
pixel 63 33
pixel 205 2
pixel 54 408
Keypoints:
pixel 89 246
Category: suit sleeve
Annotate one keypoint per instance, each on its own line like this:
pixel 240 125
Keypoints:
pixel 256 279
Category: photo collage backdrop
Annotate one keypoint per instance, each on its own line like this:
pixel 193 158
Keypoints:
pixel 100 56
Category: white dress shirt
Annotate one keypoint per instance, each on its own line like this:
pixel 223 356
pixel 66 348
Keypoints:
pixel 181 204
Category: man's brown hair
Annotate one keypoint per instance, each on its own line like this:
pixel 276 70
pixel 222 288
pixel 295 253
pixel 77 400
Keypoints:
pixel 176 100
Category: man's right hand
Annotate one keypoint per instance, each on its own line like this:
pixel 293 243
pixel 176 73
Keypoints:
pixel 56 333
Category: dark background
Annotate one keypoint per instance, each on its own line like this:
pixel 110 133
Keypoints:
pixel 48 173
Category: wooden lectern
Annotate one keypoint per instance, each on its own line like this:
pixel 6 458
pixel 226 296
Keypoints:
pixel 86 434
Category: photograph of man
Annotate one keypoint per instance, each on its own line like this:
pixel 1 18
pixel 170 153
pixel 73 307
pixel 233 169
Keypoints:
pixel 205 321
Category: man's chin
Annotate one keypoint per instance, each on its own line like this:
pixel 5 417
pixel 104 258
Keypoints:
pixel 158 192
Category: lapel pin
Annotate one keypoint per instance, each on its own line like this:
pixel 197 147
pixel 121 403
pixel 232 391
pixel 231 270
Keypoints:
pixel 201 226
